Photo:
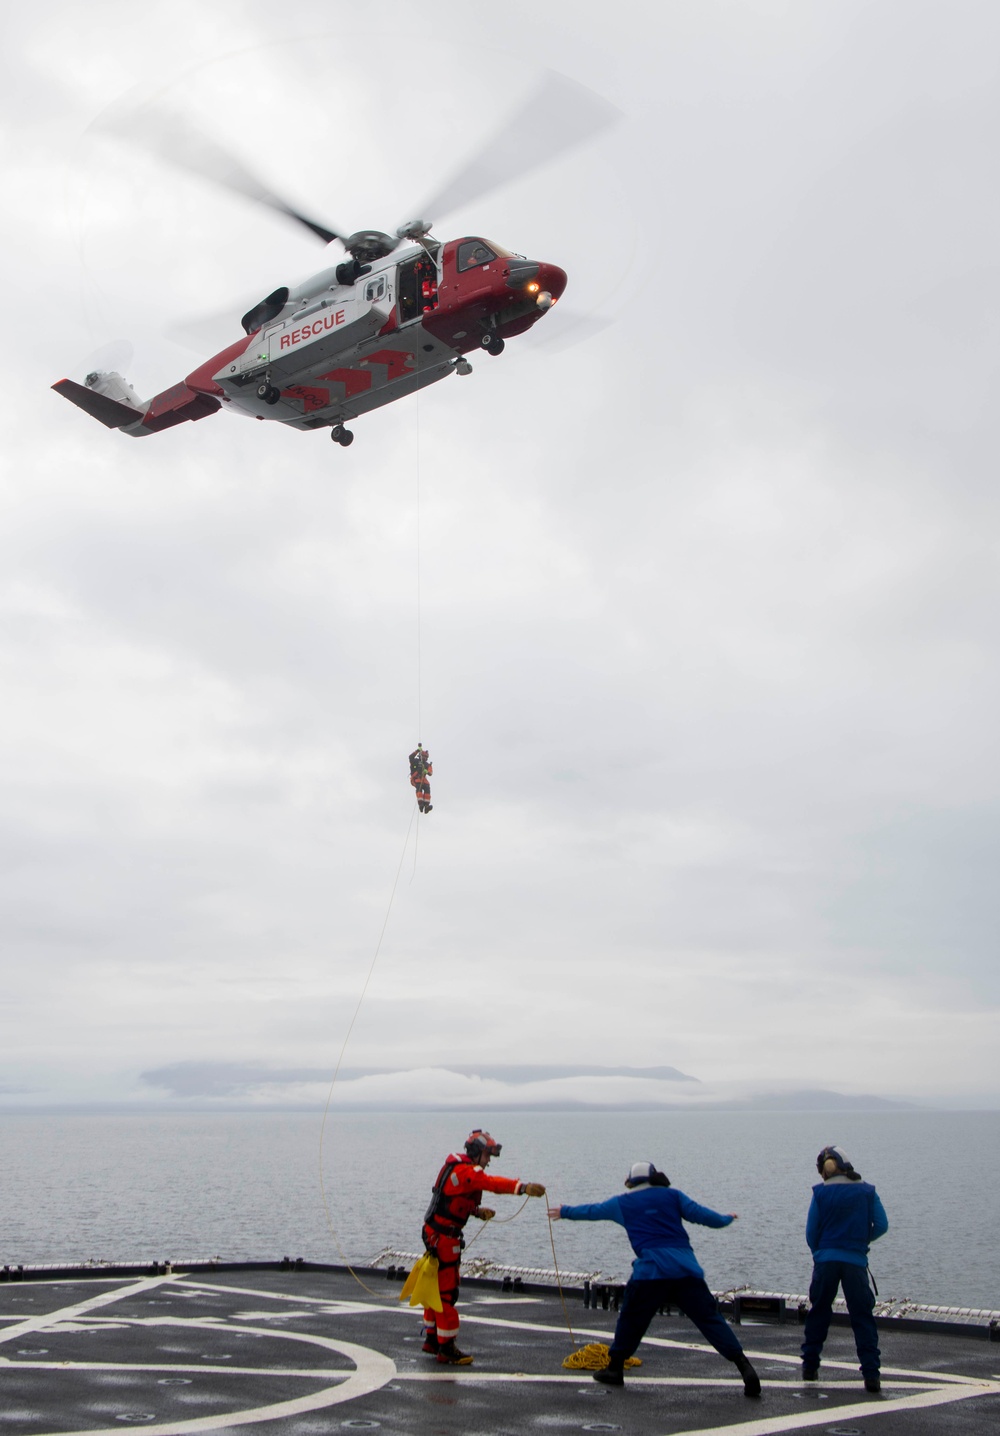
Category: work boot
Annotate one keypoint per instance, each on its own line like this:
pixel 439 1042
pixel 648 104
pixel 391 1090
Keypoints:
pixel 751 1381
pixel 449 1354
pixel 810 1373
pixel 873 1383
pixel 610 1376
pixel 431 1344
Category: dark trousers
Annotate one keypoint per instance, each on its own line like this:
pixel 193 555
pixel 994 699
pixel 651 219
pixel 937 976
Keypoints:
pixel 643 1300
pixel 826 1278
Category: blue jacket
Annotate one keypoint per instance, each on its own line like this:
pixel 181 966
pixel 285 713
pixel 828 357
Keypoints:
pixel 652 1218
pixel 844 1217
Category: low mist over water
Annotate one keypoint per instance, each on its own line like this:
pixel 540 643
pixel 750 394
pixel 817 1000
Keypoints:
pixel 248 1186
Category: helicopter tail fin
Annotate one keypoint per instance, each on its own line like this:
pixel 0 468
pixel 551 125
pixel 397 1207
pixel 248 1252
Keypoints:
pixel 111 409
pixel 113 402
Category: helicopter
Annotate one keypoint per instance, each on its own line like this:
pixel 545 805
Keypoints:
pixel 398 312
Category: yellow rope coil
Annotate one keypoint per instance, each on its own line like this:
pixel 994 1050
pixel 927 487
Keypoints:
pixel 593 1357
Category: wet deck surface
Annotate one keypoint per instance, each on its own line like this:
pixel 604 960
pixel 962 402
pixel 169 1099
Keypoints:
pixel 310 1352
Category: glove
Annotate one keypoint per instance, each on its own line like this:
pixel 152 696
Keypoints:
pixel 484 1214
pixel 533 1189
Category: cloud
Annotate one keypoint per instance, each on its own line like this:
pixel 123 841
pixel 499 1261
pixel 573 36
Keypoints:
pixel 704 638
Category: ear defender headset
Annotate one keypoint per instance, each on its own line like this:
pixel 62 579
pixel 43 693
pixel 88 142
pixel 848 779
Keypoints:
pixel 645 1174
pixel 831 1154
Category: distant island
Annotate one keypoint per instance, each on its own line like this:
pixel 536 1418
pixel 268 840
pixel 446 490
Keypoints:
pixel 496 1087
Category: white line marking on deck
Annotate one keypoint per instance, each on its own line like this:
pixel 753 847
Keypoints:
pixel 834 1415
pixel 730 1383
pixel 68 1313
pixel 175 1368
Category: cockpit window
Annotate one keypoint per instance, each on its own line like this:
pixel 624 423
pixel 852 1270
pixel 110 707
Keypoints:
pixel 474 252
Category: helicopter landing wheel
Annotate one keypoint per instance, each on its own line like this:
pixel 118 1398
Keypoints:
pixel 268 393
pixel 340 436
pixel 492 343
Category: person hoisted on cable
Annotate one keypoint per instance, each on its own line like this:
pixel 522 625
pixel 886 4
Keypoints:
pixel 421 769
pixel 460 1185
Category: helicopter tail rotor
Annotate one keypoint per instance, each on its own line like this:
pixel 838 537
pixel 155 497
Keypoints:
pixel 105 394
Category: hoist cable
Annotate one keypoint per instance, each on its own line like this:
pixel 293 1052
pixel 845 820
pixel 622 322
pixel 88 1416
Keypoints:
pixel 415 813
pixel 343 1049
pixel 420 726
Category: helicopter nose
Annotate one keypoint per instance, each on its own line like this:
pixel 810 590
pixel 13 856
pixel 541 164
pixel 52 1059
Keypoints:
pixel 552 279
pixel 545 282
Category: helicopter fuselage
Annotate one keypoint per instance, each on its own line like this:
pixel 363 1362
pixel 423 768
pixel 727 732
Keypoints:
pixel 327 352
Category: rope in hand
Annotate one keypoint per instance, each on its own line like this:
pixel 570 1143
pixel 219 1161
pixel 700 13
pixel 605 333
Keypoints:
pixel 340 1059
pixel 562 1294
pixel 496 1221
pixel 594 1355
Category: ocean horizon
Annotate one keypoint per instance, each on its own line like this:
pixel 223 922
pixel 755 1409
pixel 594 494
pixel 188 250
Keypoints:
pixel 260 1185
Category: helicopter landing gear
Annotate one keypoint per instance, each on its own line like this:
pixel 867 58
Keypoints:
pixel 492 343
pixel 341 436
pixel 268 393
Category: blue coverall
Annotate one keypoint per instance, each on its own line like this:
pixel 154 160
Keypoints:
pixel 845 1216
pixel 666 1271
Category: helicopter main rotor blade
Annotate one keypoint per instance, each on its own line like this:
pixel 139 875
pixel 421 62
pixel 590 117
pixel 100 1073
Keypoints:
pixel 559 115
pixel 175 139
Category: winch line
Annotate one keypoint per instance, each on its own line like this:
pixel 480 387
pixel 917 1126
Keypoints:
pixel 343 1049
pixel 414 813
pixel 416 840
pixel 420 727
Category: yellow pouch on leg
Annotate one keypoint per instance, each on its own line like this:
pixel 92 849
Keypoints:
pixel 421 1286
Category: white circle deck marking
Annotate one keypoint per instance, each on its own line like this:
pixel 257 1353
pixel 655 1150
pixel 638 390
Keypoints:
pixel 372 1371
pixel 904 1390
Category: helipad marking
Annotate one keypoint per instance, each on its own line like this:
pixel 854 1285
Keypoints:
pixel 67 1313
pixel 321 1303
pixel 918 1380
pixel 372 1369
pixel 938 1378
pixel 728 1383
pixel 194 1283
pixel 768 1426
pixel 312 1373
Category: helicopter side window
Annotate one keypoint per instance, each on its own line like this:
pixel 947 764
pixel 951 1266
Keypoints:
pixel 375 289
pixel 472 253
pixel 418 288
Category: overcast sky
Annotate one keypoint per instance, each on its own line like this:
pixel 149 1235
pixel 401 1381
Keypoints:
pixel 706 659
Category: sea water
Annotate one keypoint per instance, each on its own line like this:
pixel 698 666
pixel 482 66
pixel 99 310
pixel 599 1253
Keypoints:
pixel 263 1185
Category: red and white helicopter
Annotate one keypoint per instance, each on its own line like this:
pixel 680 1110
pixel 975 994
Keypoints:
pixel 397 313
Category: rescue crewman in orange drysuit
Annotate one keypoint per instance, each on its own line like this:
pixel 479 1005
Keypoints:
pixel 460 1185
pixel 421 769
